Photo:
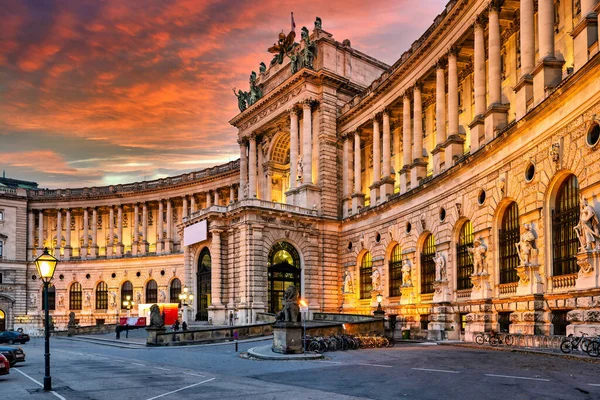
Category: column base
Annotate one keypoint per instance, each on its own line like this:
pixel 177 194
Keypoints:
pixel 120 249
pixel 134 249
pixel 585 33
pixel 168 246
pixel 496 119
pixel 346 206
pixel 374 193
pixel 218 314
pixel 386 188
pixel 144 247
pixel 418 172
pixel 67 253
pixel 477 127
pixel 453 149
pixel 589 264
pixel 308 196
pixel 358 202
pixel 524 94
pixel 404 179
pixel 439 159
pixel 109 251
pixel 290 196
pixel 93 251
pixel 546 75
pixel 530 281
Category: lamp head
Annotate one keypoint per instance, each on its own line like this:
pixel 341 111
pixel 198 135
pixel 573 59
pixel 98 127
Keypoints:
pixel 303 303
pixel 379 298
pixel 46 265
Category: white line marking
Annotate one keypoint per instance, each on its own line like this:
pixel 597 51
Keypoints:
pixel 183 388
pixel 594 384
pixel 115 360
pixel 376 365
pixel 190 373
pixel 332 362
pixel 518 377
pixel 436 370
pixel 141 365
pixel 164 369
pixel 30 378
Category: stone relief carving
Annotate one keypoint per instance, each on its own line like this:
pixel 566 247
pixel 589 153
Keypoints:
pixel 348 286
pixel 588 229
pixel 406 271
pixel 376 279
pixel 584 266
pixel 555 153
pixel 440 266
pixel 33 299
pixel 61 300
pixel 162 296
pixel 526 249
pixel 478 255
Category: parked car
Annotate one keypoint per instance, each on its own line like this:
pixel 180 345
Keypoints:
pixel 13 354
pixel 4 365
pixel 12 337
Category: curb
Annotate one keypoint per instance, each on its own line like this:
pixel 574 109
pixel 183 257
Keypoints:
pixel 281 357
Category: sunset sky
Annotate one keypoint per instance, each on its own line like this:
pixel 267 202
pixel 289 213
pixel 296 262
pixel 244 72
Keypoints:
pixel 97 92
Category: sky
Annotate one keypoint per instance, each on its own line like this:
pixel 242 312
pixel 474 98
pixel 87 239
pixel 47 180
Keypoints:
pixel 100 92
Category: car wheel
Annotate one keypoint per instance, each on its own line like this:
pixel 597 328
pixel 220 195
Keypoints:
pixel 11 341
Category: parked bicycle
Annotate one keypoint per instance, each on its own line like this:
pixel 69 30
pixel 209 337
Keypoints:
pixel 571 343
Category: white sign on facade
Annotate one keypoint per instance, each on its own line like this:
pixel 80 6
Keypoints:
pixel 195 233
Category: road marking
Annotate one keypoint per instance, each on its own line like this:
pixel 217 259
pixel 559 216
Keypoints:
pixel 332 362
pixel 164 369
pixel 594 384
pixel 376 365
pixel 190 373
pixel 33 380
pixel 116 360
pixel 179 390
pixel 518 377
pixel 141 365
pixel 436 370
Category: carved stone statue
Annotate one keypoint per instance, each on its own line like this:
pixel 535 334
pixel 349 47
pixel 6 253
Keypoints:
pixel 478 253
pixel 309 51
pixel 348 286
pixel 71 323
pixel 162 296
pixel 440 266
pixel 376 279
pixel 156 320
pixel 262 68
pixel 318 23
pixel 284 47
pixel 291 309
pixel 88 299
pixel 526 246
pixel 139 297
pixel 300 170
pixel 588 229
pixel 255 92
pixel 242 99
pixel 61 300
pixel 33 299
pixel 406 270
pixel 113 296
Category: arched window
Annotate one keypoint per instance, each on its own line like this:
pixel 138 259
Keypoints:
pixel 395 271
pixel 151 292
pixel 102 296
pixel 508 237
pixel 366 270
pixel 565 217
pixel 464 262
pixel 51 298
pixel 75 296
pixel 203 280
pixel 126 290
pixel 175 291
pixel 283 271
pixel 428 265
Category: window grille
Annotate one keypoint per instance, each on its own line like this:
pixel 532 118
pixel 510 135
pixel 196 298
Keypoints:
pixel 395 271
pixel 464 261
pixel 75 296
pixel 565 217
pixel 151 292
pixel 126 290
pixel 366 270
pixel 508 237
pixel 102 296
pixel 428 265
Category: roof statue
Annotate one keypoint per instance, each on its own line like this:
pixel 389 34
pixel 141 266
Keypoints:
pixel 262 67
pixel 284 46
pixel 318 23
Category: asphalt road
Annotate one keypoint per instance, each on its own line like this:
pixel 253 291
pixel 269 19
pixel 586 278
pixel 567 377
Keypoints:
pixel 83 370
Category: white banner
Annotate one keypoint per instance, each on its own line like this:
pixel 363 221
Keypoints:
pixel 195 233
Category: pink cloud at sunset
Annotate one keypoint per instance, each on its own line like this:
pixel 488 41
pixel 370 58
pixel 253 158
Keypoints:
pixel 140 80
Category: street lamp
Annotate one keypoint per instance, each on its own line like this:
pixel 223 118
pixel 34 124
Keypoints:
pixel 379 312
pixel 46 264
pixel 304 309
pixel 128 303
pixel 184 298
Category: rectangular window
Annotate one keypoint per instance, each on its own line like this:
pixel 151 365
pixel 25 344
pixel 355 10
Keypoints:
pixel 463 322
pixel 504 321
pixel 559 322
pixel 424 321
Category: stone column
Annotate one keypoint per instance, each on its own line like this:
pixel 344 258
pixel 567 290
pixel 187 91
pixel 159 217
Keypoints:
pixel 83 252
pixel 346 181
pixel 269 186
pixel 68 248
pixel 386 187
pixel 307 146
pixel 406 145
pixel 209 202
pixel 184 207
pixel 439 159
pixel 358 198
pixel 231 194
pixel 496 116
pixel 135 228
pixel 30 234
pixel 293 148
pixel 243 170
pixel 585 33
pixel 548 71
pixel 168 246
pixel 159 228
pixel 215 252
pixel 217 195
pixel 94 247
pixel 111 230
pixel 477 126
pixel 120 247
pixel 143 245
pixel 418 169
pixel 193 203
pixel 252 167
pixel 260 176
pixel 58 233
pixel 455 143
pixel 376 161
pixel 524 87
pixel 41 232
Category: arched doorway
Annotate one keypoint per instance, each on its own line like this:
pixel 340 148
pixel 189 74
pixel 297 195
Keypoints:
pixel 2 321
pixel 203 285
pixel 283 271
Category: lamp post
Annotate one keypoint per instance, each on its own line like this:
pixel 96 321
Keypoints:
pixel 128 303
pixel 184 298
pixel 379 312
pixel 304 310
pixel 46 265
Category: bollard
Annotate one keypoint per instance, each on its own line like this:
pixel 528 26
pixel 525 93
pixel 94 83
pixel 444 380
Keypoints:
pixel 235 337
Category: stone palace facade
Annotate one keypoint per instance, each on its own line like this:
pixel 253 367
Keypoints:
pixel 461 183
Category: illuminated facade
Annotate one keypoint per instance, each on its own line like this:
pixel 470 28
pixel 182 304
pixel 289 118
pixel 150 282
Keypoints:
pixel 453 182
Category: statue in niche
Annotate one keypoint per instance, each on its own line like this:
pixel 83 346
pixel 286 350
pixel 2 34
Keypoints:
pixel 348 286
pixel 162 296
pixel 139 297
pixel 478 255
pixel 262 68
pixel 318 23
pixel 113 296
pixel 61 300
pixel 526 246
pixel 376 279
pixel 406 270
pixel 440 266
pixel 300 170
pixel 587 230
pixel 88 299
pixel 291 309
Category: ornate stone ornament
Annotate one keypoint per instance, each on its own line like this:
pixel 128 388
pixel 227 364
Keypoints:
pixel 526 249
pixel 406 273
pixel 588 228
pixel 585 267
pixel 348 285
pixel 554 153
pixel 479 257
pixel 440 266
pixel 376 280
pixel 502 186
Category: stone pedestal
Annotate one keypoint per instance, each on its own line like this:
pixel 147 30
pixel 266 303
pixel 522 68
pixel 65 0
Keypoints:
pixel 67 253
pixel 496 118
pixel 153 338
pixel 386 188
pixel 287 338
pixel 418 172
pixel 218 314
pixel 120 249
pixel 454 146
pixel 438 159
pixel 481 287
pixel 547 74
pixel 168 246
pixel 441 323
pixel 589 264
pixel 585 33
pixel 477 127
pixel 531 318
pixel 524 93
pixel 358 202
pixel 374 190
pixel 442 292
pixel 308 196
pixel 290 196
pixel 408 295
pixel 93 251
pixel 144 247
pixel 479 320
pixel 530 281
pixel 404 179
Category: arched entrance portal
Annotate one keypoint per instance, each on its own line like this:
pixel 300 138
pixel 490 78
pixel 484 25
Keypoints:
pixel 284 270
pixel 2 321
pixel 203 285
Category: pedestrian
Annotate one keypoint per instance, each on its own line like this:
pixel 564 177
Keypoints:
pixel 127 331
pixel 184 326
pixel 118 331
pixel 176 326
pixel 230 318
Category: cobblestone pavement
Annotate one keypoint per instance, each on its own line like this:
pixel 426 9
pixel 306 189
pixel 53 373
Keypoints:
pixel 82 370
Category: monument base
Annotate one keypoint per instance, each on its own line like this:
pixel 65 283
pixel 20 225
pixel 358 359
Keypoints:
pixel 153 332
pixel 287 338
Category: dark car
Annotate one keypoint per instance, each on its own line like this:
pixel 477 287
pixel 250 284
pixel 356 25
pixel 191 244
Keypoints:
pixel 12 337
pixel 13 354
pixel 4 365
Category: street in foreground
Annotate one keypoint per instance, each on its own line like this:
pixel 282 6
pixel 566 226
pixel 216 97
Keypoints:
pixel 83 370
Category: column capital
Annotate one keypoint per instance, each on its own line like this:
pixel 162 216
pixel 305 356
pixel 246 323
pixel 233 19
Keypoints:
pixel 480 21
pixel 377 116
pixel 495 5
pixel 417 86
pixel 453 51
pixel 294 109
pixel 243 141
pixel 442 63
pixel 216 231
pixel 308 102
